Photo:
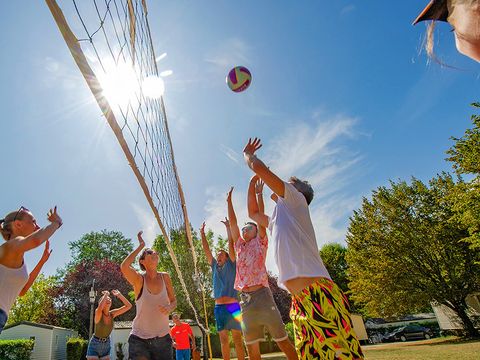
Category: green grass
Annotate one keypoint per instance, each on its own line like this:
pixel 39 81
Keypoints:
pixel 435 349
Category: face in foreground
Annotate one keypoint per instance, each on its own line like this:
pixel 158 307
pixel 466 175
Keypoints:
pixel 464 16
pixel 249 231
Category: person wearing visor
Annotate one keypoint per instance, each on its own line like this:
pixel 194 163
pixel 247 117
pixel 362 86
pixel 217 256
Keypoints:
pixel 463 16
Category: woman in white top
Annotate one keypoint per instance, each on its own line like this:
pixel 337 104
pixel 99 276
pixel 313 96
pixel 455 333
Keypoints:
pixel 21 233
pixel 320 311
pixel 155 300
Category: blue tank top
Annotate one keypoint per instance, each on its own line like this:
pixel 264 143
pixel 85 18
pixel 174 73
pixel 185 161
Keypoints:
pixel 224 279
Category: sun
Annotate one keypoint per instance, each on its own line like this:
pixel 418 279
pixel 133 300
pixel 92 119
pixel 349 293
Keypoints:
pixel 120 83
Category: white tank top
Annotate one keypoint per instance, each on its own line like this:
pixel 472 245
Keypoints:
pixel 12 282
pixel 149 322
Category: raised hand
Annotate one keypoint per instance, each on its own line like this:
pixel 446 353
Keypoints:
pixel 226 222
pixel 229 195
pixel 259 186
pixel 141 242
pixel 53 217
pixel 202 228
pixel 252 146
pixel 46 252
pixel 115 293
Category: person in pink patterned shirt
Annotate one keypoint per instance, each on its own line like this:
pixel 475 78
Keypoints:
pixel 259 310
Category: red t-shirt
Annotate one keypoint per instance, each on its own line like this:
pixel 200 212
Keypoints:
pixel 180 334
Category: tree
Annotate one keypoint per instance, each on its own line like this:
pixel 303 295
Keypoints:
pixel 406 249
pixel 333 257
pixel 465 156
pixel 110 245
pixel 465 153
pixel 37 304
pixel 72 295
pixel 181 249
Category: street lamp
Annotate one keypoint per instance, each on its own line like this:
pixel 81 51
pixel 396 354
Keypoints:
pixel 91 294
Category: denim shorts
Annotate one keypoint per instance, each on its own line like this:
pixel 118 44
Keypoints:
pixel 182 354
pixel 157 348
pixel 98 347
pixel 228 316
pixel 259 311
pixel 3 319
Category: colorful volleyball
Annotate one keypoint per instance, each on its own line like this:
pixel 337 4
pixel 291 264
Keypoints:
pixel 239 79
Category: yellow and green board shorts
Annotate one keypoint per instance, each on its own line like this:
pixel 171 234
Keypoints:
pixel 322 324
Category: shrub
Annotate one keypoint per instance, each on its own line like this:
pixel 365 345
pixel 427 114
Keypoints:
pixel 16 349
pixel 76 349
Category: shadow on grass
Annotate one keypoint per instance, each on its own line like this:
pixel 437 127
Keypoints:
pixel 452 340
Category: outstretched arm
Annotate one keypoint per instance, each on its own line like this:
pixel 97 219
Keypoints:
pixel 254 211
pixel 126 304
pixel 37 238
pixel 36 270
pixel 101 304
pixel 273 181
pixel 132 276
pixel 263 223
pixel 231 246
pixel 232 217
pixel 206 248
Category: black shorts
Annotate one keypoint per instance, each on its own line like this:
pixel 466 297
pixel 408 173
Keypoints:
pixel 157 348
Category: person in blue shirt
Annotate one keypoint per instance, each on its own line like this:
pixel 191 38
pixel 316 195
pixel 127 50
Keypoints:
pixel 227 309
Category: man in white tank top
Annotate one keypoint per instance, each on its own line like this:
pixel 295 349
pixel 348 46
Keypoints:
pixel 155 300
pixel 320 311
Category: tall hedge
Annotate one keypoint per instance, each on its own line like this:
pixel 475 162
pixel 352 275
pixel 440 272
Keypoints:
pixel 76 349
pixel 16 349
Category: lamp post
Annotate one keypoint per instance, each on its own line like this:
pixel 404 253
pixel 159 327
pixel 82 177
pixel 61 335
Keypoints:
pixel 91 294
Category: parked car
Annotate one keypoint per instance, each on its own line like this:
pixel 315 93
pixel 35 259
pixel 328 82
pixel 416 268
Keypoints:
pixel 410 332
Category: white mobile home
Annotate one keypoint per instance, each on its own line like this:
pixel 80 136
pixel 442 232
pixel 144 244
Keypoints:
pixel 50 341
pixel 448 320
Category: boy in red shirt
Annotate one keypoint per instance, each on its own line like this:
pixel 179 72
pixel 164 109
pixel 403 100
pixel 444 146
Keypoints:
pixel 181 334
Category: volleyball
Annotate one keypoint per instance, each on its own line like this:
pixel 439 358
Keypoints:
pixel 239 79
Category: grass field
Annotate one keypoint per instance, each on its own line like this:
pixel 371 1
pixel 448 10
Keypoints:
pixel 435 349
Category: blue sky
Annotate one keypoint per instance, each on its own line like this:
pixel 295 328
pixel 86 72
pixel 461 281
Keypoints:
pixel 342 94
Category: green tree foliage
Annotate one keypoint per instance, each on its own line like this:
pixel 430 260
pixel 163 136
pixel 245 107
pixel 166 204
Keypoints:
pixel 465 156
pixel 465 153
pixel 110 245
pixel 333 257
pixel 406 249
pixel 182 251
pixel 16 349
pixel 37 304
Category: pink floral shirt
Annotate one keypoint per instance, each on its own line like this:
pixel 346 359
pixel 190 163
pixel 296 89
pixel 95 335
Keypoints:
pixel 251 256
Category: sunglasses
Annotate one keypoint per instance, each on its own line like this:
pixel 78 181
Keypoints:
pixel 149 252
pixel 247 227
pixel 22 208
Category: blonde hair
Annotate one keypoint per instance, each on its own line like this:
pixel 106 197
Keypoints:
pixel 6 223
